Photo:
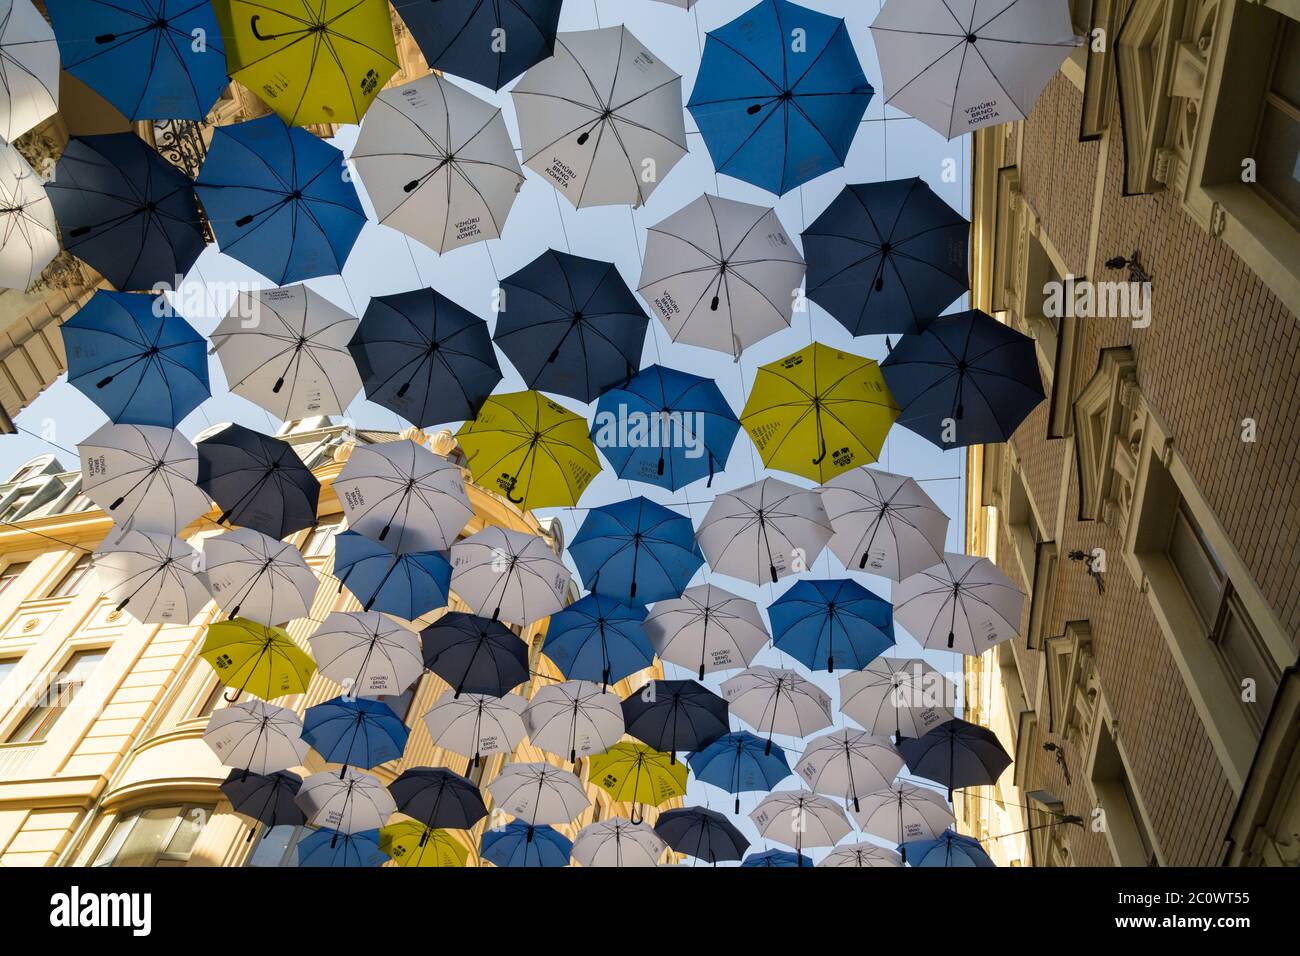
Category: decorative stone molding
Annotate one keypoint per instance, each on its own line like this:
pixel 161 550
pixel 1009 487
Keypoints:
pixel 1109 418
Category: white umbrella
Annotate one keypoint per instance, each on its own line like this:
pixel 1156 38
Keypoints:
pixel 256 736
pixel 706 628
pixel 862 855
pixel 143 476
pixel 574 719
pixel 508 574
pixel 798 818
pixel 257 577
pixel 965 604
pixel 437 163
pixel 350 802
pixel 958 65
pixel 897 695
pixel 602 119
pixel 369 654
pixel 286 350
pixel 151 575
pixel 618 842
pixel 848 763
pixel 29 69
pixel 476 725
pixel 764 531
pixel 28 236
pixel 884 523
pixel 721 274
pixel 903 811
pixel 539 793
pixel 403 496
pixel 777 701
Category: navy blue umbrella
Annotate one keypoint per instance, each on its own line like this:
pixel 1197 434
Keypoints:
pixel 475 655
pixel 887 257
pixel 571 325
pixel 636 551
pixel 355 732
pixel 672 715
pixel 519 844
pixel 439 798
pixel 740 763
pixel 334 849
pixel 822 622
pixel 258 481
pixel 267 798
pixel 704 834
pixel 949 849
pixel 489 43
pixel 407 585
pixel 141 364
pixel 779 95
pixel 424 357
pixel 126 211
pixel 956 754
pixel 777 859
pixel 598 639
pixel 965 379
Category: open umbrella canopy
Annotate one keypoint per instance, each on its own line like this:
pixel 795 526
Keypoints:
pixel 949 849
pixel 279 199
pixel 764 531
pixel 887 257
pixel 777 701
pixel 635 773
pixel 349 802
pixel 142 476
pixel 140 364
pixel 707 628
pixel 740 763
pixel 29 69
pixel 413 844
pixel 704 834
pixel 618 842
pixel 151 59
pixel 367 653
pixel 29 237
pixel 519 844
pixel 407 585
pixel 602 119
pixel 573 719
pixel 256 737
pixel 477 725
pixel 355 732
pixel 510 575
pixel 330 848
pixel 905 697
pixel 598 639
pixel 539 793
pixel 672 715
pixel 257 577
pixel 848 763
pixel 860 855
pixel 457 36
pixel 956 754
pixel 257 481
pixel 268 799
pixel 777 859
pixel 256 659
pixel 884 523
pixel 126 211
pixel 636 551
pixel 825 622
pixel 963 604
pixel 475 655
pixel 438 798
pixel 779 96
pixel 798 818
pixel 151 575
pixel 902 812
pixel 570 325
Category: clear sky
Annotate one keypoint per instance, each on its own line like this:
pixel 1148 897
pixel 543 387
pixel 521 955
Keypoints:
pixel 889 145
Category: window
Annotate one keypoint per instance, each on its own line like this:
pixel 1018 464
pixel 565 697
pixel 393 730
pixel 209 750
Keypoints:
pixel 278 846
pixel 70 584
pixel 11 573
pixel 17 504
pixel 7 667
pixel 1126 829
pixel 155 836
pixel 62 691
pixel 215 698
pixel 320 540
pixel 1277 142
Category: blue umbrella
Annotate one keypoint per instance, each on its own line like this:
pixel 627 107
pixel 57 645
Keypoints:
pixel 887 257
pixel 571 325
pixel 152 59
pixel 280 200
pixel 636 551
pixel 598 639
pixel 518 844
pixel 778 108
pixel 818 622
pixel 740 763
pixel 141 364
pixel 126 211
pixel 355 732
pixel 258 481
pixel 665 427
pixel 777 858
pixel 407 585
pixel 460 37
pixel 672 715
pixel 475 655
pixel 701 833
pixel 334 849
pixel 949 849
pixel 966 379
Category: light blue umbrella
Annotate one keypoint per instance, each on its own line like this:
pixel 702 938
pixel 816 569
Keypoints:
pixel 333 849
pixel 355 733
pixel 949 849
pixel 598 639
pixel 406 585
pixel 636 551
pixel 825 622
pixel 517 844
pixel 739 763
pixel 777 858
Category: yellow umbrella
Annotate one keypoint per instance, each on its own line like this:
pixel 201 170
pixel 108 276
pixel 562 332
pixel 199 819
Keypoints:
pixel 253 657
pixel 635 773
pixel 819 412
pixel 312 61
pixel 414 844
pixel 536 452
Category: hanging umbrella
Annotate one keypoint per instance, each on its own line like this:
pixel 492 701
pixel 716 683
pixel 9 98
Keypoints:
pixel 779 96
pixel 437 163
pixel 406 585
pixel 29 69
pixel 956 754
pixel 151 576
pixel 477 725
pixel 278 198
pixel 673 715
pixel 701 833
pixel 574 718
pixel 601 120
pixel 367 653
pixel 960 67
pixel 948 849
pixel 256 659
pixel 860 855
pixel 311 62
pixel 618 842
pixel 665 427
pixel 257 577
pixel 778 702
pixel 508 574
pixel 819 412
pixel 255 737
pixel 905 697
pixel 598 639
pixel 413 844
pixel 708 628
pixel 721 274
pixel 764 531
pixel 354 732
pixel 140 367
pixel 519 844
pixel 965 604
pixel 291 357
pixel 740 763
pixel 887 257
pixel 269 799
pixel 457 36
pixel 531 450
pixel 474 654
pixel 800 819
pixel 126 211
pixel 151 59
pixel 903 811
pixel 636 551
pixel 570 325
pixel 848 763
pixel 425 358
pixel 330 848
pixel 257 481
pixel 884 523
pixel 777 859
pixel 438 798
pixel 818 622
pixel 403 496
pixel 349 803
pixel 539 793
pixel 29 238
pixel 142 476
pixel 634 773
pixel 966 379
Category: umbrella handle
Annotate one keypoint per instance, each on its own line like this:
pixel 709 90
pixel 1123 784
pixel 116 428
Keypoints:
pixel 511 497
pixel 821 457
pixel 228 699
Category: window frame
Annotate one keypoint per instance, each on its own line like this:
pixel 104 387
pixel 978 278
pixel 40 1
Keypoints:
pixel 50 715
pixel 72 580
pixel 131 820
